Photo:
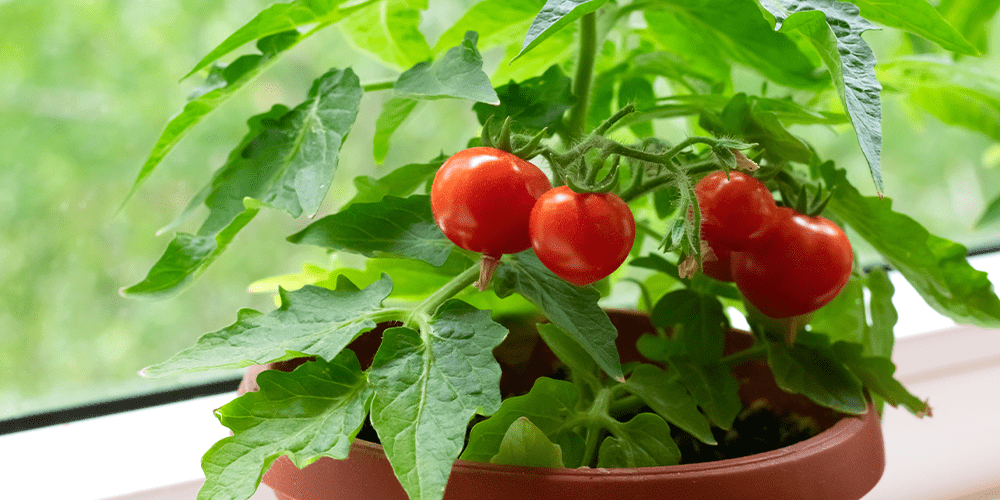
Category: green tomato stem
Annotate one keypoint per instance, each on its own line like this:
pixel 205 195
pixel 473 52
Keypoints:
pixel 598 415
pixel 584 76
pixel 429 305
pixel 372 87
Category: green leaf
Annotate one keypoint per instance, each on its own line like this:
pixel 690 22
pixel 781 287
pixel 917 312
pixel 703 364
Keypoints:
pixel 953 94
pixel 526 445
pixel 311 321
pixel 286 161
pixel 639 91
pixel 734 30
pixel 844 317
pixel 702 319
pixel 458 74
pixel 312 412
pixel 534 104
pixel 812 369
pixel 388 30
pixel 971 18
pixel 883 313
pixel 643 441
pixel 499 23
pixel 392 226
pixel 222 83
pixel 669 399
pixel 713 386
pixel 744 118
pixel 876 373
pixel 412 279
pixel 568 350
pixel 188 256
pixel 685 48
pixel 402 181
pixel 278 18
pixel 917 17
pixel 549 405
pixel 427 386
pixel 991 215
pixel 394 113
pixel 835 29
pixel 561 47
pixel 937 268
pixel 556 15
pixel 573 308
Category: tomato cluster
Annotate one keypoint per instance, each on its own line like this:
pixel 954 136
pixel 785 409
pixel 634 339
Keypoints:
pixel 785 263
pixel 490 201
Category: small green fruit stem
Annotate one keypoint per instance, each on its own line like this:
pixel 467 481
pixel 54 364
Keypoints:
pixel 584 76
pixel 430 304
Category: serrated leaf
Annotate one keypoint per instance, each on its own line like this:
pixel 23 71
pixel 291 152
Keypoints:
pixel 286 161
pixel 917 17
pixel 702 319
pixel 810 368
pixel 534 104
pixel 937 268
pixel 401 182
pixel 312 412
pixel 876 374
pixel 222 83
pixel 394 113
pixel 390 31
pixel 971 18
pixel 573 308
pixel 554 16
pixel 188 256
pixel 392 226
pixel 278 18
pixel 713 386
pixel 735 31
pixel 458 74
pixel 526 445
pixel 669 399
pixel 835 29
pixel 549 404
pixel 883 314
pixel 499 23
pixel 311 321
pixel 643 441
pixel 428 385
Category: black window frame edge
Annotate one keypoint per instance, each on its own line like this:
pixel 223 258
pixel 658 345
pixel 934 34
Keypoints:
pixel 105 408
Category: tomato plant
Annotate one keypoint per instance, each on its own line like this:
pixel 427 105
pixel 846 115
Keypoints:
pixel 482 198
pixel 803 264
pixel 435 371
pixel 581 237
pixel 735 211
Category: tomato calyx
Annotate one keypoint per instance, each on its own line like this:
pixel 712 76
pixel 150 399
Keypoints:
pixel 802 199
pixel 522 146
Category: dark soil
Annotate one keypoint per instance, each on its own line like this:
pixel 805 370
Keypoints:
pixel 757 429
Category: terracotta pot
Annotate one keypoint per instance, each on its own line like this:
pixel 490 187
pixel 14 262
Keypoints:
pixel 843 462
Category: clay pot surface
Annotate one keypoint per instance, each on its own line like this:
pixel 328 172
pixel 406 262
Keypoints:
pixel 843 462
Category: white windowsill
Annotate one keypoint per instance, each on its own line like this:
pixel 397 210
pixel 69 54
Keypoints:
pixel 155 453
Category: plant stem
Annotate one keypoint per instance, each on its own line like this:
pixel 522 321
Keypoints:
pixel 597 414
pixel 430 304
pixel 584 76
pixel 371 87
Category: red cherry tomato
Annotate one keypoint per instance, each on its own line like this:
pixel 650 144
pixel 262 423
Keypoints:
pixel 482 198
pixel 735 212
pixel 720 267
pixel 581 237
pixel 803 264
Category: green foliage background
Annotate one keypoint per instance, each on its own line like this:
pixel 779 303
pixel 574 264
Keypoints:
pixel 85 87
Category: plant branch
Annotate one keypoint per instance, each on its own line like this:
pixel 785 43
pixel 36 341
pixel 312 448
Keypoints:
pixel 430 304
pixel 371 87
pixel 738 358
pixel 584 76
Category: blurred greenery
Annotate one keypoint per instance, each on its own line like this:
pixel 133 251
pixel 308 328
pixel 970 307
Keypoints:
pixel 85 89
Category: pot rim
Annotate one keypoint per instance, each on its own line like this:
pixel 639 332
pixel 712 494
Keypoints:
pixel 846 428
